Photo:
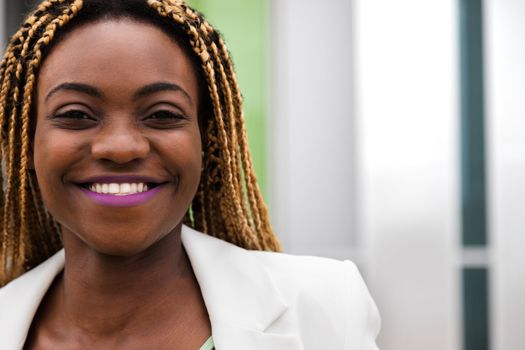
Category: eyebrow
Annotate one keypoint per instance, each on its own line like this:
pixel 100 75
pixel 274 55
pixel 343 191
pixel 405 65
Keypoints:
pixel 142 92
pixel 83 88
pixel 159 87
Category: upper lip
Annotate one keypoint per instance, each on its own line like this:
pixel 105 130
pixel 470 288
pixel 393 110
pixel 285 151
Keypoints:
pixel 121 179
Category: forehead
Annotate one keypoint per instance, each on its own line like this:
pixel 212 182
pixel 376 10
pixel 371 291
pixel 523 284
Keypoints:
pixel 121 51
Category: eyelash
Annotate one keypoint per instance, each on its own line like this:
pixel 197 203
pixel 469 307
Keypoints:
pixel 73 114
pixel 165 119
pixel 77 119
pixel 74 119
pixel 164 114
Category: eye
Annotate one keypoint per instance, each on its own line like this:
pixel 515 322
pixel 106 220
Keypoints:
pixel 74 114
pixel 74 119
pixel 165 119
pixel 163 115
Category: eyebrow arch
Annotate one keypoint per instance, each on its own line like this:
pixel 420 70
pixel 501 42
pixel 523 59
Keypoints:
pixel 161 86
pixel 83 88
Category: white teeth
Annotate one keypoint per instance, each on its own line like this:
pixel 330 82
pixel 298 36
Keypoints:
pixel 125 188
pixel 114 188
pixel 121 189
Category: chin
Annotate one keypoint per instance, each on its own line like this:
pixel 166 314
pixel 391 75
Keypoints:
pixel 120 243
pixel 122 249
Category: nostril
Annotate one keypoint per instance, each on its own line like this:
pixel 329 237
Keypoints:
pixel 120 149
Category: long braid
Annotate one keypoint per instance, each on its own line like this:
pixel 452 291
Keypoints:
pixel 227 132
pixel 28 93
pixel 23 56
pixel 235 110
pixel 8 64
pixel 235 113
pixel 259 209
pixel 11 63
pixel 208 33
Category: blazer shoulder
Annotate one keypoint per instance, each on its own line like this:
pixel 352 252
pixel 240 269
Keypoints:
pixel 332 292
pixel 305 271
pixel 20 299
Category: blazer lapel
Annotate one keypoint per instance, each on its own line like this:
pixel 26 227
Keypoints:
pixel 239 293
pixel 20 299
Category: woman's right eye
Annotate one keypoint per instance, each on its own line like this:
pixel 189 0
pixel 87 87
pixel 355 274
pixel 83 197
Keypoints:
pixel 74 119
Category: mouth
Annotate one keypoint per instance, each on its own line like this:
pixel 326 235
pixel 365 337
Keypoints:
pixel 119 189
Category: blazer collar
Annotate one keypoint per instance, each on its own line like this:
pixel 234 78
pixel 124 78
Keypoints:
pixel 241 297
pixel 20 299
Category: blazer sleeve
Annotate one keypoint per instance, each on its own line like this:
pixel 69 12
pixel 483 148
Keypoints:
pixel 363 321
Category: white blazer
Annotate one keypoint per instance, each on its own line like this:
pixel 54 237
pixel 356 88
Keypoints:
pixel 255 300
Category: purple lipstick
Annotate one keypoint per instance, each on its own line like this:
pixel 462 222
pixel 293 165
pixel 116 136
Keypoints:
pixel 128 200
pixel 121 191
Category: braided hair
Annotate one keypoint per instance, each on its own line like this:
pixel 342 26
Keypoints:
pixel 228 203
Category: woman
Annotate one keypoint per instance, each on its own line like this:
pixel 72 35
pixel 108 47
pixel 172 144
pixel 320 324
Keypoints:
pixel 122 120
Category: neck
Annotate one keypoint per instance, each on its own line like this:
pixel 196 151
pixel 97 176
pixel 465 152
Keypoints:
pixel 103 294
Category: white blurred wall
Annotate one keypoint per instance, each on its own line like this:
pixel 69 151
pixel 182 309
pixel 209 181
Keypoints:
pixel 311 127
pixel 365 153
pixel 408 118
pixel 505 72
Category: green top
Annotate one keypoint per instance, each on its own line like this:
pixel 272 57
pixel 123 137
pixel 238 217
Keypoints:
pixel 208 345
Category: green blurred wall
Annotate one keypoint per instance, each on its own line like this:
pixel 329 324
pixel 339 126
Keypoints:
pixel 243 25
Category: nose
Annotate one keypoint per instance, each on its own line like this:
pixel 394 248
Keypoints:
pixel 120 143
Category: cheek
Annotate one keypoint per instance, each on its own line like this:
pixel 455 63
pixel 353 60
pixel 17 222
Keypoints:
pixel 52 153
pixel 182 153
pixel 186 153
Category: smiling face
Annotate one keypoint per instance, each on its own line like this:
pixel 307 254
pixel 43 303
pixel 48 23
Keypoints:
pixel 117 146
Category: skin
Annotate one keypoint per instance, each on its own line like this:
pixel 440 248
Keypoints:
pixel 127 281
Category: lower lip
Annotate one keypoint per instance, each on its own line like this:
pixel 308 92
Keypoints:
pixel 129 200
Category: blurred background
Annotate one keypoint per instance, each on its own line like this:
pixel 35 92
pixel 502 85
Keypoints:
pixel 392 133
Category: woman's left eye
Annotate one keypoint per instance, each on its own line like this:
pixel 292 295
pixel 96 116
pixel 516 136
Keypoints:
pixel 164 115
pixel 165 119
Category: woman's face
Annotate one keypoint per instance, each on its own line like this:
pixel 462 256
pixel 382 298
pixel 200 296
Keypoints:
pixel 117 146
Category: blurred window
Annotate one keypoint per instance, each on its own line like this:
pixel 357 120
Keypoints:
pixel 475 274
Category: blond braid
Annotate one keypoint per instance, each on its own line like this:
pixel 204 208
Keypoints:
pixel 235 110
pixel 231 156
pixel 28 93
pixel 19 213
pixel 259 210
pixel 259 213
pixel 9 251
